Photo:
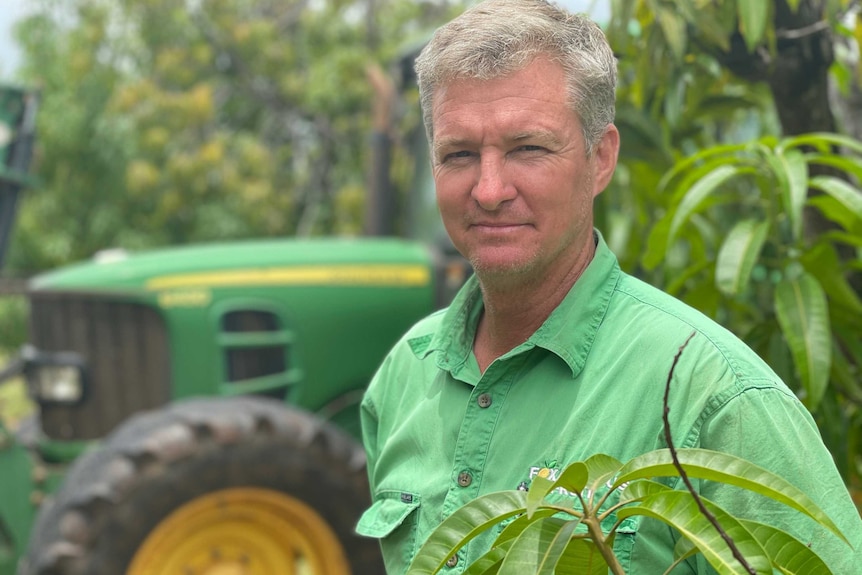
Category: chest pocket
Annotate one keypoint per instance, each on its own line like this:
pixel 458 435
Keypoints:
pixel 392 519
pixel 624 542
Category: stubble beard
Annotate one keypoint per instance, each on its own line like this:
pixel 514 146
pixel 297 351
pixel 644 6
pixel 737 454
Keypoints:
pixel 509 275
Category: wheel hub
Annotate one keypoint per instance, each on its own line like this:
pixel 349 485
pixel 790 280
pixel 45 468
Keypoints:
pixel 241 531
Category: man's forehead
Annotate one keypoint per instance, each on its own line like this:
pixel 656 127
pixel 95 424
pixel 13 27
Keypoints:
pixel 539 75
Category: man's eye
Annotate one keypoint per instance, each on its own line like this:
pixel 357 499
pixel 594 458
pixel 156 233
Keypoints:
pixel 457 155
pixel 530 148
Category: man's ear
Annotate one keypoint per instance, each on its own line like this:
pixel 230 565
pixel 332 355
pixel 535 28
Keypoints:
pixel 605 159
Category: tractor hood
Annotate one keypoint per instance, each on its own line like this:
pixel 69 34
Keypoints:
pixel 243 263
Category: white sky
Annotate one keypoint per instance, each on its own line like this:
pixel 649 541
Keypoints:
pixel 10 12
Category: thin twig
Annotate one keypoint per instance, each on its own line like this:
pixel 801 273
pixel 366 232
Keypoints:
pixel 809 30
pixel 684 476
pixel 816 27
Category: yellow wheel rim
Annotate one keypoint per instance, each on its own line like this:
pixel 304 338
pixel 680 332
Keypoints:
pixel 241 531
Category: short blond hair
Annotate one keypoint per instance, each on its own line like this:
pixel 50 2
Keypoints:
pixel 498 37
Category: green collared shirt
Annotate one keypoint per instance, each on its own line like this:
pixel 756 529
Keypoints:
pixel 439 433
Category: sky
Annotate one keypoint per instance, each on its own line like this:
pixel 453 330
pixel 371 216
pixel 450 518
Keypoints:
pixel 12 10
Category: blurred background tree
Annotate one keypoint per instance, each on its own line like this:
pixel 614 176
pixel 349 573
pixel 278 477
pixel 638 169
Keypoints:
pixel 169 122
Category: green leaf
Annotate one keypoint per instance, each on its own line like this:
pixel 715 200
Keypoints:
pixel 849 196
pixel 514 529
pixel 822 262
pixel 852 345
pixel 753 15
pixel 640 489
pixel 787 552
pixel 673 28
pixel 849 164
pixel 539 547
pixel 644 137
pixel 792 172
pixel 844 372
pixel 674 100
pixel 683 549
pixel 582 556
pixel 679 510
pixel 725 468
pixel 710 158
pixel 602 469
pixel 738 254
pixel 835 211
pixel 843 238
pixel 803 315
pixel 675 286
pixel 489 563
pixel 657 243
pixel 822 141
pixel 539 488
pixel 707 28
pixel 463 525
pixel 573 478
pixel 699 192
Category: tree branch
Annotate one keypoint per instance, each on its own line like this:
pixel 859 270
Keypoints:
pixel 684 476
pixel 816 27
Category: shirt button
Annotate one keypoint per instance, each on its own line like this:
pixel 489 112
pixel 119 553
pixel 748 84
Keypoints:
pixel 464 479
pixel 452 561
pixel 484 400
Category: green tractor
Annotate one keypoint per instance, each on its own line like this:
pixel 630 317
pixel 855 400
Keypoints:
pixel 197 407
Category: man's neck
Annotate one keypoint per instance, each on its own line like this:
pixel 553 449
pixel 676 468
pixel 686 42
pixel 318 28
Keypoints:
pixel 517 307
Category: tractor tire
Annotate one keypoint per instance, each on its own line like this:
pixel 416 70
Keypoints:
pixel 241 485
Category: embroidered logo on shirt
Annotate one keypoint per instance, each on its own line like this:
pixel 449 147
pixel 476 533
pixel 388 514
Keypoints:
pixel 547 470
pixel 551 471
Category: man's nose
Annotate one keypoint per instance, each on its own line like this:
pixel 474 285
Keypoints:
pixel 492 188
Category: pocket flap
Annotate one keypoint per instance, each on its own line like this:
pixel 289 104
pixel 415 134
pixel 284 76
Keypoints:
pixel 389 511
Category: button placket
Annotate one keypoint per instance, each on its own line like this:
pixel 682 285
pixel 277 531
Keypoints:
pixel 474 435
pixel 474 438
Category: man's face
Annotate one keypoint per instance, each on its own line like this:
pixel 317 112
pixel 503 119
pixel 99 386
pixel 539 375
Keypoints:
pixel 514 184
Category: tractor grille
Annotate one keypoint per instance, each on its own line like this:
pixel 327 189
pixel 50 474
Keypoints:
pixel 124 346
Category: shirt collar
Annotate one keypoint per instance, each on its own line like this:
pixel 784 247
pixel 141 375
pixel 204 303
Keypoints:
pixel 568 332
pixel 571 328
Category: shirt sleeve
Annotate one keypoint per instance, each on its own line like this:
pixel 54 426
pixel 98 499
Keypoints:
pixel 770 427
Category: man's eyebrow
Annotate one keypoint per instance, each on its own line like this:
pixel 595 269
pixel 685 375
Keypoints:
pixel 544 137
pixel 447 142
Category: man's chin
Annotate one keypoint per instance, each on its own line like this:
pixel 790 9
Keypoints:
pixel 502 267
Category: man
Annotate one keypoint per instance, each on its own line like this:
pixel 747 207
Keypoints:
pixel 550 354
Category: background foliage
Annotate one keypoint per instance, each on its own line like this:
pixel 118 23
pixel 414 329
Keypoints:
pixel 722 202
pixel 170 122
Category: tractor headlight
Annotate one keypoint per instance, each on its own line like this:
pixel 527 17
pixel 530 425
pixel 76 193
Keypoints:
pixel 54 377
pixel 56 383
